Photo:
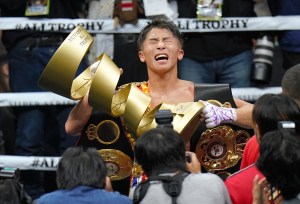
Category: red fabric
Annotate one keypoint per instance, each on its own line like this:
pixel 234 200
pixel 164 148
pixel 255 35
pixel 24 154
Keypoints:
pixel 127 4
pixel 251 153
pixel 240 184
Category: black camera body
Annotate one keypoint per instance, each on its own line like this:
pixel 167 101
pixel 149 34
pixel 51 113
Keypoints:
pixel 288 125
pixel 164 118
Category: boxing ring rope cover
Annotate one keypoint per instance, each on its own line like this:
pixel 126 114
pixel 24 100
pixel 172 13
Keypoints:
pixel 29 162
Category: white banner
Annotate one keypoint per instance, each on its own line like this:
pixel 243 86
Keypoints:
pixel 29 162
pixel 185 24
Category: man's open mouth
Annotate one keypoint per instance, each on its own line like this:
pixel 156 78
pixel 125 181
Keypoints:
pixel 161 57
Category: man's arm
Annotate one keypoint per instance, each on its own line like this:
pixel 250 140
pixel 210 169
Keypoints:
pixel 244 113
pixel 79 116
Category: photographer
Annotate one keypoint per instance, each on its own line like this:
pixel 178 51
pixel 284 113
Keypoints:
pixel 161 153
pixel 11 190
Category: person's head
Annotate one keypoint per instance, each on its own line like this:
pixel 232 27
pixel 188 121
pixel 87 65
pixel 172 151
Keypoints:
pixel 81 166
pixel 11 191
pixel 279 161
pixel 160 42
pixel 160 23
pixel 160 150
pixel 271 108
pixel 290 83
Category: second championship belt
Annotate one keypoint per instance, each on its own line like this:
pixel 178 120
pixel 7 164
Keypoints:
pixel 219 149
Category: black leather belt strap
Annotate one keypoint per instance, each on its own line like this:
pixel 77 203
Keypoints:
pixel 219 92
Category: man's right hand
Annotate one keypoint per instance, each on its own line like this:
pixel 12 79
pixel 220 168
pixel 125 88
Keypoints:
pixel 193 165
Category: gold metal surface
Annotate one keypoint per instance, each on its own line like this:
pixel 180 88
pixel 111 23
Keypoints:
pixel 60 71
pixel 221 147
pixel 118 164
pixel 103 131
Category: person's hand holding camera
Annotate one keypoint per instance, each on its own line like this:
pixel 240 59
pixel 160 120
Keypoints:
pixel 215 115
pixel 192 162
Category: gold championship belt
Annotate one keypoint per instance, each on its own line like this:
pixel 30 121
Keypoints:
pixel 219 149
pixel 108 136
pixel 129 102
pixel 106 133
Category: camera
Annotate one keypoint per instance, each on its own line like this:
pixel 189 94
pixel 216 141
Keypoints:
pixel 164 118
pixel 263 60
pixel 12 173
pixel 288 125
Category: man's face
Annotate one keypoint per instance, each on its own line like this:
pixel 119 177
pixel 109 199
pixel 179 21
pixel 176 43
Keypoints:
pixel 160 50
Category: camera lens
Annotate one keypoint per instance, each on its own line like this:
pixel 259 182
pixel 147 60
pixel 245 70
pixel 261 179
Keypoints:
pixel 263 60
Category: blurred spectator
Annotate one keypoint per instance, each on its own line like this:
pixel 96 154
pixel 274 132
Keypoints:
pixel 218 57
pixel 28 54
pixel 11 192
pixel 81 178
pixel 7 118
pixel 11 189
pixel 290 83
pixel 267 111
pixel 290 86
pixel 289 41
pixel 279 161
pixel 161 152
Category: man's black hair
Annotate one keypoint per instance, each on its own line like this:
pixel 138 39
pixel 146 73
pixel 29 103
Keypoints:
pixel 290 82
pixel 160 150
pixel 80 166
pixel 279 161
pixel 271 108
pixel 160 23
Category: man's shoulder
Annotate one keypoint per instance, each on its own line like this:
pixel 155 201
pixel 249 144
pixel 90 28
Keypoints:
pixel 117 197
pixel 52 197
pixel 203 179
pixel 82 193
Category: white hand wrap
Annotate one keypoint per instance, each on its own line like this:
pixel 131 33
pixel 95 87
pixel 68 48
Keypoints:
pixel 215 115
